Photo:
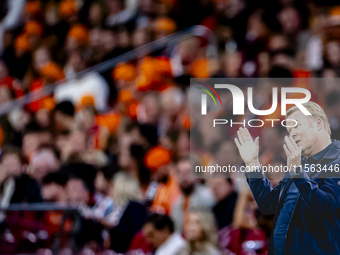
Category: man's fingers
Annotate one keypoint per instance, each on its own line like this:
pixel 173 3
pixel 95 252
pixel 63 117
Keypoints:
pixel 240 137
pixel 244 134
pixel 286 151
pixel 237 143
pixel 294 143
pixel 248 136
pixel 289 144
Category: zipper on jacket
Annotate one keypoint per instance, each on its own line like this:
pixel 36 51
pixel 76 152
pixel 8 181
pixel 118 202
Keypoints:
pixel 297 200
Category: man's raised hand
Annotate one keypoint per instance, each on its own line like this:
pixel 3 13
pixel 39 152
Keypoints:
pixel 293 153
pixel 248 149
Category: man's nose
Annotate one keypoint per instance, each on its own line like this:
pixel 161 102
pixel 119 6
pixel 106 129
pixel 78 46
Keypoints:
pixel 293 133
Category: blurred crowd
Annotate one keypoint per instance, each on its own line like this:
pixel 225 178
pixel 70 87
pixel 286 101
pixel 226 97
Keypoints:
pixel 114 147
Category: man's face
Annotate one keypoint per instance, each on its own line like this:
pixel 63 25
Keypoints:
pixel 185 181
pixel 77 192
pixel 101 184
pixel 304 133
pixel 12 164
pixel 227 154
pixel 154 236
pixel 42 163
pixel 30 144
pixel 220 187
pixel 124 156
pixel 53 193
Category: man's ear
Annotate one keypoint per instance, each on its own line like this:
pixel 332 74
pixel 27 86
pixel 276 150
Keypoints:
pixel 319 124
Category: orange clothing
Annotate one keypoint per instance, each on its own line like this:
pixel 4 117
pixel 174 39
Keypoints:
pixel 33 28
pixel 67 8
pixel 153 74
pixel 97 138
pixel 80 33
pixel 32 7
pixel 165 24
pixel 186 212
pixel 109 120
pixel 124 71
pixel 199 69
pixel 165 197
pixel 157 157
pixel 52 71
pixel 22 43
pixel 8 82
pixel 185 121
pixel 44 102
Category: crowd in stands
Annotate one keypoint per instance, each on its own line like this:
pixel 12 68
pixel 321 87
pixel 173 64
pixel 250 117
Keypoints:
pixel 114 146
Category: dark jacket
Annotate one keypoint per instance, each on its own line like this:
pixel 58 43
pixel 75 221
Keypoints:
pixel 26 190
pixel 130 223
pixel 224 210
pixel 315 222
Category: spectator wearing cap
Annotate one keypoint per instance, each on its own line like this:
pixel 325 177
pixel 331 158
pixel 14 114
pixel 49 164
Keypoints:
pixel 77 37
pixel 34 31
pixel 159 161
pixel 67 8
pixel 22 45
pixel 193 196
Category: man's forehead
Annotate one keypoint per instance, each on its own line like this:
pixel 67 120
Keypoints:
pixel 298 115
pixel 148 227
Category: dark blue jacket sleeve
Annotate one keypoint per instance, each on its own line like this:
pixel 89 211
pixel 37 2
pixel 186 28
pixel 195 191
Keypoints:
pixel 321 198
pixel 266 197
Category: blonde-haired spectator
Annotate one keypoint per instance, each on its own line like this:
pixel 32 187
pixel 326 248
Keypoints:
pixel 201 234
pixel 128 215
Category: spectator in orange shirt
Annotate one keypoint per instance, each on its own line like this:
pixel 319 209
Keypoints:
pixel 159 160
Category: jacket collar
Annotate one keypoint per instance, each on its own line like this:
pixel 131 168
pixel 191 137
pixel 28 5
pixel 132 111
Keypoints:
pixel 334 151
pixel 330 153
